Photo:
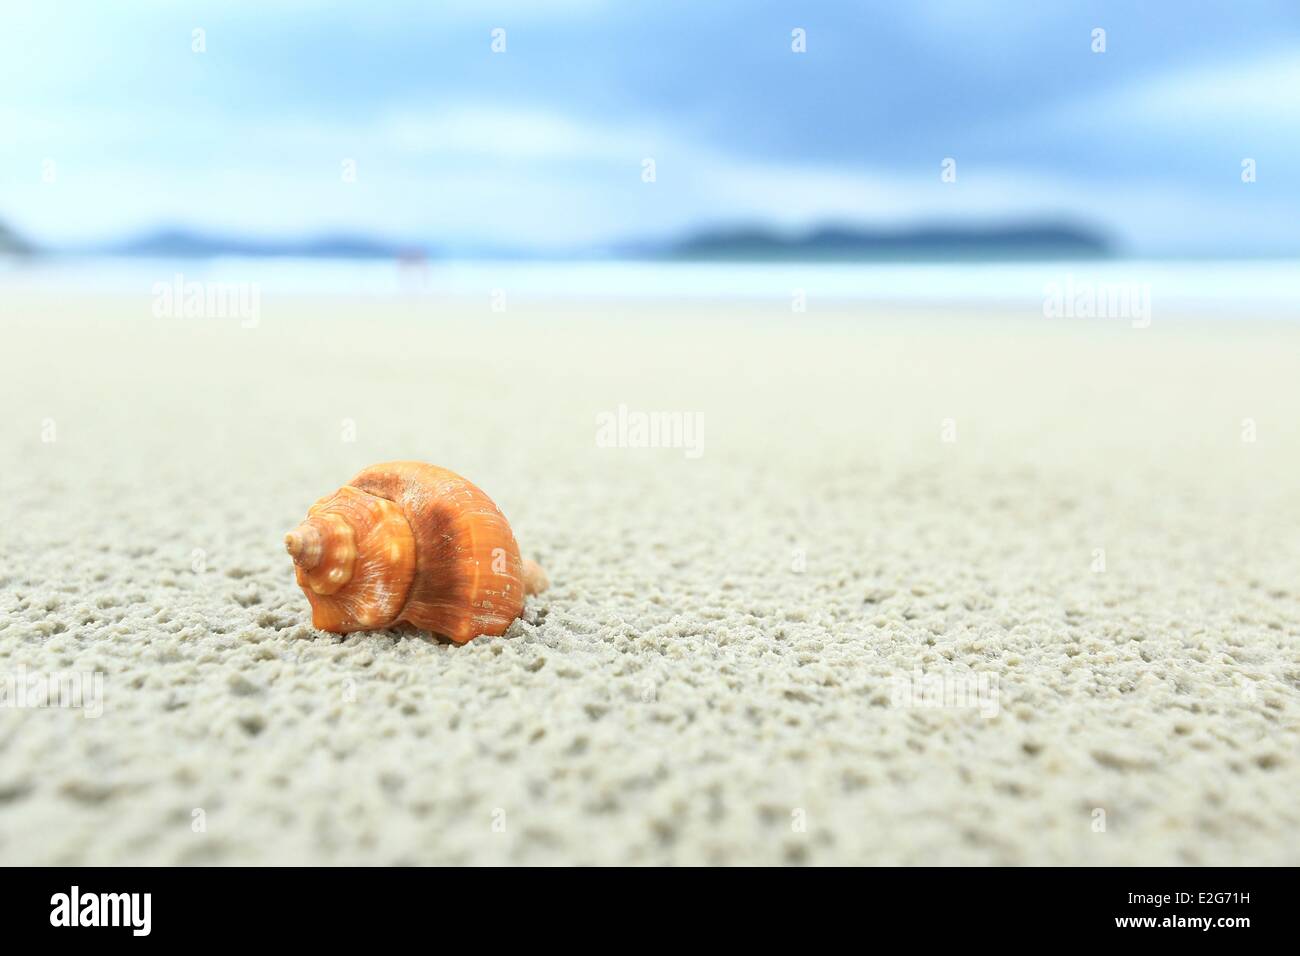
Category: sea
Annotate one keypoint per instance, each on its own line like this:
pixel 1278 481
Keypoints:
pixel 1226 287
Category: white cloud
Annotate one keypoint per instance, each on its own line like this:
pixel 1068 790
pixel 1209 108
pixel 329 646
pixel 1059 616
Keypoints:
pixel 1264 89
pixel 1200 103
pixel 507 134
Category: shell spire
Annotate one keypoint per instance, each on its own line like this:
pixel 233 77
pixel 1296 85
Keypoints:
pixel 409 542
pixel 304 545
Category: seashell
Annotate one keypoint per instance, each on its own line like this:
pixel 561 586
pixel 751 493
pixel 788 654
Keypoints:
pixel 408 542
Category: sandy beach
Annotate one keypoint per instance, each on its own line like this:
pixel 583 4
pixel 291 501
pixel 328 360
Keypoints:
pixel 1084 534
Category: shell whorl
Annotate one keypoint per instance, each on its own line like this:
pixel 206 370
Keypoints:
pixel 355 558
pixel 468 574
pixel 324 547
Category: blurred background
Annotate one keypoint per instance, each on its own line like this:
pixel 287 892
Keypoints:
pixel 583 130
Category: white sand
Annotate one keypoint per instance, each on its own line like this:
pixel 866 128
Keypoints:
pixel 681 694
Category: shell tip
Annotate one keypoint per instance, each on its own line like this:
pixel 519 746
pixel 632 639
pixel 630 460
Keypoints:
pixel 304 546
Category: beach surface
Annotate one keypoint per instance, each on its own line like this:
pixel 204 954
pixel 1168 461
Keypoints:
pixel 912 586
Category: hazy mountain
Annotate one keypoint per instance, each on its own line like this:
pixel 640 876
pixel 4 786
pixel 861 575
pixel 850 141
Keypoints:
pixel 1029 241
pixel 12 244
pixel 179 243
pixel 738 244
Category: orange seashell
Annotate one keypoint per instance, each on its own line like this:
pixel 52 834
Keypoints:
pixel 406 541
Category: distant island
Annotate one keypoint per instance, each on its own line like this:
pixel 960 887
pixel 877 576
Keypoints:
pixel 11 244
pixel 843 244
pixel 182 244
pixel 831 243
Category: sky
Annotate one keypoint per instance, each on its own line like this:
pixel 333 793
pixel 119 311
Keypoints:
pixel 398 120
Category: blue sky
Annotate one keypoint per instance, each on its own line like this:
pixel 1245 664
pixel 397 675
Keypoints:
pixel 114 126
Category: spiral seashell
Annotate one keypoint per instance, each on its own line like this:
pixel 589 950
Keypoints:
pixel 408 542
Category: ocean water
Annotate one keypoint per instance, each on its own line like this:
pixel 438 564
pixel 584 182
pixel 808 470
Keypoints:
pixel 1252 285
